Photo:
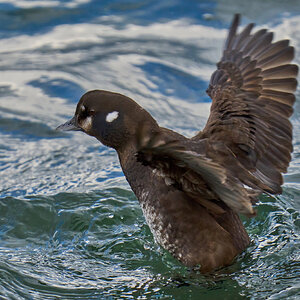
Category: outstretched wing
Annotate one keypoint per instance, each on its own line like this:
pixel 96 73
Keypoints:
pixel 247 141
pixel 252 99
pixel 203 179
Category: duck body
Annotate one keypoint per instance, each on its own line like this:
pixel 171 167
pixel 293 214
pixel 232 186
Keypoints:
pixel 182 226
pixel 192 190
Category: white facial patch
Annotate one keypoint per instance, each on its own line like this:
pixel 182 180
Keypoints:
pixel 82 108
pixel 112 116
pixel 87 123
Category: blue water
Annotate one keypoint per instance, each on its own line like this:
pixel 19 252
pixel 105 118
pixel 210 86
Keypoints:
pixel 70 227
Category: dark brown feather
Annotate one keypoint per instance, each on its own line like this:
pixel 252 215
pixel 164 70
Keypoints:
pixel 250 110
pixel 247 141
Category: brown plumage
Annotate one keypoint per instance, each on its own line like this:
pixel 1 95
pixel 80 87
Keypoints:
pixel 192 190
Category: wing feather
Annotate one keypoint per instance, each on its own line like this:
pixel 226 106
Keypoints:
pixel 199 176
pixel 252 93
pixel 247 141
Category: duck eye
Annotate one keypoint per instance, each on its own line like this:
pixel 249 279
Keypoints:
pixel 85 112
pixel 91 112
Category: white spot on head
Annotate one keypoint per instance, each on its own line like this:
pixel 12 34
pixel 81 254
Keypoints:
pixel 87 123
pixel 112 116
pixel 82 108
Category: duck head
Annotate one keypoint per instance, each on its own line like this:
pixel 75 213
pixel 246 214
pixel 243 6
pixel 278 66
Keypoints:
pixel 112 118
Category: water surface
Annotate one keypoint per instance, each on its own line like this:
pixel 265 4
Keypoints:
pixel 70 227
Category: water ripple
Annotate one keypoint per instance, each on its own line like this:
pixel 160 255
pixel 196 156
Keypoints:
pixel 70 227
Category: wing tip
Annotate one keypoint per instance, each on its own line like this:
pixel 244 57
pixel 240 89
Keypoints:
pixel 232 30
pixel 236 18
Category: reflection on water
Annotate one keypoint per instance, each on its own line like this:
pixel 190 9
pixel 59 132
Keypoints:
pixel 69 224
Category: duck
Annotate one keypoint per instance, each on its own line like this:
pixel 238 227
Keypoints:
pixel 192 191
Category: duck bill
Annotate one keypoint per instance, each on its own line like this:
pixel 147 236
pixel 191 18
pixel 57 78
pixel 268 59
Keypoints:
pixel 70 125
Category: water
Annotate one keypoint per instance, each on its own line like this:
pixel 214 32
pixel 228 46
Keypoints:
pixel 70 227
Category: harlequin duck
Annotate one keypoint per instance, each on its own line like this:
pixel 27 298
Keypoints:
pixel 191 190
